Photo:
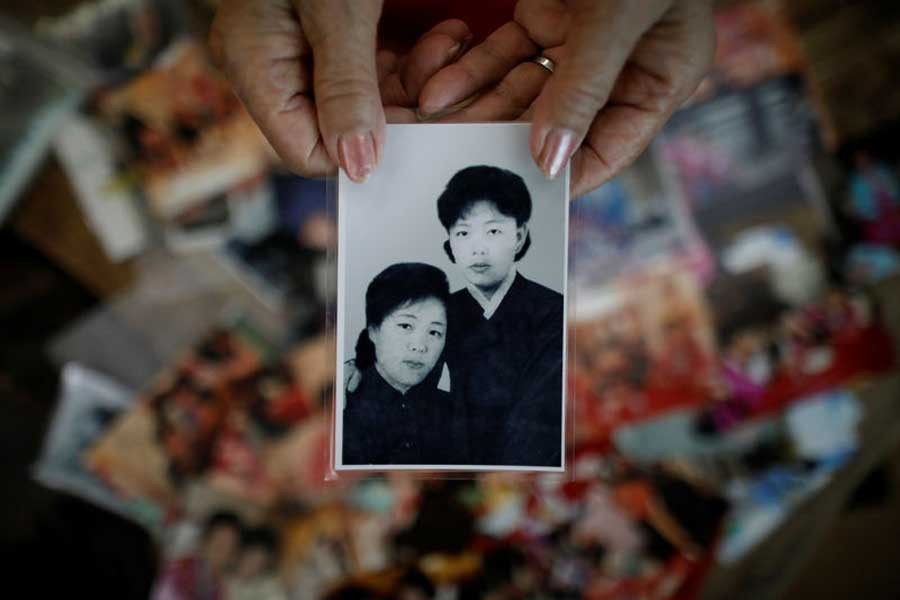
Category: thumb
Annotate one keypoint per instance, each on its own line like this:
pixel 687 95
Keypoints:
pixel 600 39
pixel 342 35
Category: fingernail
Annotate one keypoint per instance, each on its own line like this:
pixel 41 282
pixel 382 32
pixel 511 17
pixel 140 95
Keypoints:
pixel 558 148
pixel 459 48
pixel 356 152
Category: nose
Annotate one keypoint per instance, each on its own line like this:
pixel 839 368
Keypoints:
pixel 479 248
pixel 418 344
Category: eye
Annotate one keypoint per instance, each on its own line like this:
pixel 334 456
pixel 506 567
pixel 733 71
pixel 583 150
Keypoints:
pixel 460 234
pixel 494 231
pixel 437 334
pixel 405 326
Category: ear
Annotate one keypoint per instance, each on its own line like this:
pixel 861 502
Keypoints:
pixel 372 330
pixel 521 236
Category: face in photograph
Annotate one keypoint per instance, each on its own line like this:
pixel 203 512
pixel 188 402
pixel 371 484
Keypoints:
pixel 484 243
pixel 409 341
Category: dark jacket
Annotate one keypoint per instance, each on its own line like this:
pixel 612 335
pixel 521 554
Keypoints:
pixel 507 373
pixel 384 427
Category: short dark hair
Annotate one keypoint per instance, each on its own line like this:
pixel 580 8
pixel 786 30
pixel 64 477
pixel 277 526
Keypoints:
pixel 504 189
pixel 398 285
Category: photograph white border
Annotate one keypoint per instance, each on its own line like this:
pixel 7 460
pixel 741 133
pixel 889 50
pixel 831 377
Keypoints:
pixel 340 318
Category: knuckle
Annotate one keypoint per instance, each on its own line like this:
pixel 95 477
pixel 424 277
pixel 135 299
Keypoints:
pixel 581 101
pixel 472 77
pixel 492 54
pixel 515 98
pixel 342 88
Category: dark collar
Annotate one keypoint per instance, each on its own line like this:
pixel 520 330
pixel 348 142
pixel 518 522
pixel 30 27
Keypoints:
pixel 472 307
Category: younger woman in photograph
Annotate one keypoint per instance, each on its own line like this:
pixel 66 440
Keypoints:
pixel 505 346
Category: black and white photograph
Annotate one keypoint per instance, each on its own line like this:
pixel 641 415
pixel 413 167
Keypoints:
pixel 452 271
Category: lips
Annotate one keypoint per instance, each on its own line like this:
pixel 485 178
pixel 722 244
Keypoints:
pixel 480 267
pixel 415 365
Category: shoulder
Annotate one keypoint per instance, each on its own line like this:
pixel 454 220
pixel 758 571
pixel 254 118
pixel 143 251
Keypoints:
pixel 365 396
pixel 460 297
pixel 541 298
pixel 463 306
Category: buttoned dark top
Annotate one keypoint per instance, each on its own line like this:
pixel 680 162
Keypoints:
pixel 506 372
pixel 384 427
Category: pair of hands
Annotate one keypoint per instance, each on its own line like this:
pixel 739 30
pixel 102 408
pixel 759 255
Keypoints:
pixel 622 68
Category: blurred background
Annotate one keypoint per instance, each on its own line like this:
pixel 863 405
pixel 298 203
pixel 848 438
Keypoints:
pixel 166 364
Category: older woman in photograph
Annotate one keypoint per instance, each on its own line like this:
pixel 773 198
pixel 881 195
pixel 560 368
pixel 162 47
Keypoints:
pixel 397 415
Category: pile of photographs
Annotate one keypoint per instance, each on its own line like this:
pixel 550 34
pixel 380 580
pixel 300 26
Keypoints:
pixel 170 155
pixel 709 374
pixel 724 311
pixel 224 457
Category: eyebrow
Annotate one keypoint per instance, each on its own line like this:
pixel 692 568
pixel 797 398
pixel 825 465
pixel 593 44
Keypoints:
pixel 465 223
pixel 408 316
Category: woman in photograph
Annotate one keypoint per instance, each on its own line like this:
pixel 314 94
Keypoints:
pixel 397 415
pixel 505 345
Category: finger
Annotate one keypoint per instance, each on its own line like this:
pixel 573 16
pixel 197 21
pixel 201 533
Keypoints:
pixel 615 140
pixel 353 381
pixel 442 45
pixel 400 114
pixel 669 62
pixel 546 21
pixel 663 72
pixel 600 38
pixel 385 64
pixel 482 66
pixel 348 103
pixel 389 84
pixel 510 98
pixel 260 47
pixel 435 49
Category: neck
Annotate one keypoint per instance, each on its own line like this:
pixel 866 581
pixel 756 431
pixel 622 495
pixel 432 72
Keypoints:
pixel 400 387
pixel 489 292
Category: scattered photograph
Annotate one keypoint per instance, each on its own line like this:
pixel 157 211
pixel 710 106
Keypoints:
pixel 213 416
pixel 188 139
pixel 629 223
pixel 88 405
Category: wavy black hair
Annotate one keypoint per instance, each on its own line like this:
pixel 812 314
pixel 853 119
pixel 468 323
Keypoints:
pixel 504 189
pixel 396 286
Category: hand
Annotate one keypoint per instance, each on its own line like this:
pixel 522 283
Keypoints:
pixel 352 376
pixel 334 114
pixel 622 69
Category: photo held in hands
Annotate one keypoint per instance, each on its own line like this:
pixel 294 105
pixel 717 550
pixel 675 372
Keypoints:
pixel 452 270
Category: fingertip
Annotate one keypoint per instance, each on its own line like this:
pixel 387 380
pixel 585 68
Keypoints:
pixel 434 51
pixel 357 155
pixel 399 114
pixel 454 28
pixel 351 123
pixel 442 91
pixel 555 133
pixel 429 98
pixel 536 136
